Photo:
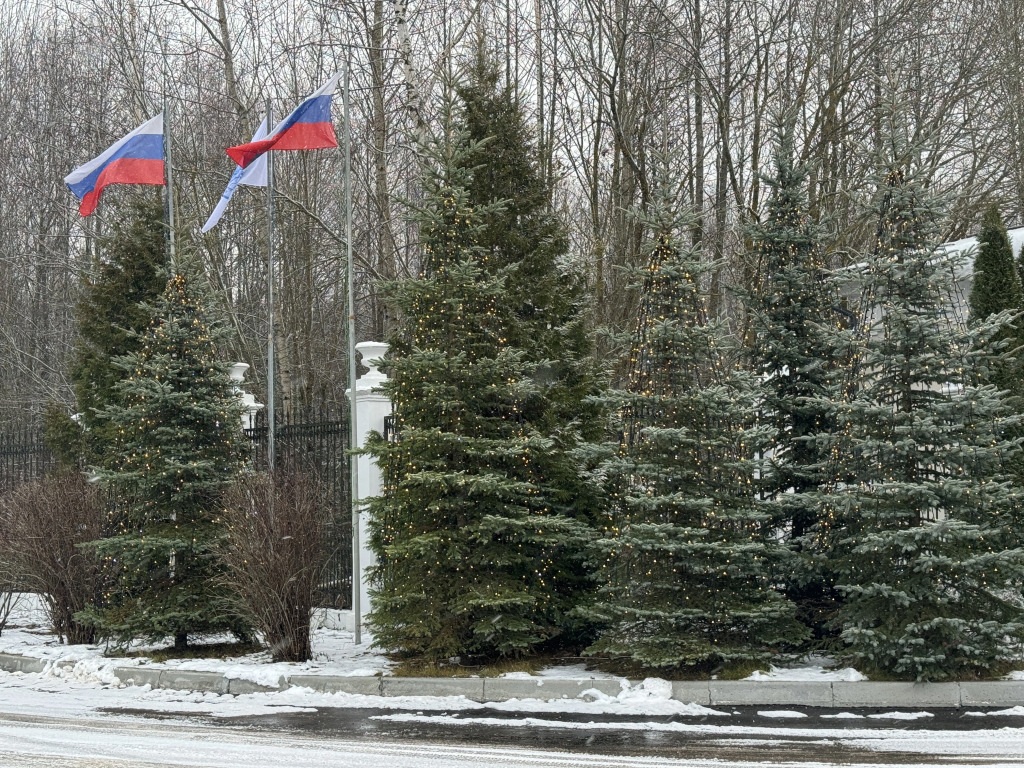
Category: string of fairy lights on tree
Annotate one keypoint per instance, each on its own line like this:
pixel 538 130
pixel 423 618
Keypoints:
pixel 177 445
pixel 686 561
pixel 467 539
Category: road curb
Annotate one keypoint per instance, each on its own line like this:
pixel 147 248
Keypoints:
pixel 1002 693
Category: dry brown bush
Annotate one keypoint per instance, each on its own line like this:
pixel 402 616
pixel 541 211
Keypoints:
pixel 274 555
pixel 42 524
pixel 9 596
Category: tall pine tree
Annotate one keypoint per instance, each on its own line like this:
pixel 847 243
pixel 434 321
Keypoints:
pixel 794 354
pixel 919 509
pixel 177 444
pixel 689 556
pixel 471 551
pixel 522 238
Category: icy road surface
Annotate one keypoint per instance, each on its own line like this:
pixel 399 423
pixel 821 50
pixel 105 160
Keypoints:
pixel 99 743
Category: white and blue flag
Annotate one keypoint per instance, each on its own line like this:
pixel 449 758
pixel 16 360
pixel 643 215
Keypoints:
pixel 253 175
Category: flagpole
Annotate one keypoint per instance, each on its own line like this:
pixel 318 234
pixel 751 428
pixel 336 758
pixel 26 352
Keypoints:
pixel 170 181
pixel 270 297
pixel 357 574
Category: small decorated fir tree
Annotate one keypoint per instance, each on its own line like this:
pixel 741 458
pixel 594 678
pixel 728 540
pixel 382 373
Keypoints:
pixel 689 556
pixel 177 446
pixel 918 515
pixel 470 550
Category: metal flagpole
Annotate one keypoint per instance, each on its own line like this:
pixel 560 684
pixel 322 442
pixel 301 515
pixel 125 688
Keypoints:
pixel 169 172
pixel 357 576
pixel 270 296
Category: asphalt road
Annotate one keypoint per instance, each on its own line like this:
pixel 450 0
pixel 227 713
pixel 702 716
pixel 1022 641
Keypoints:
pixel 747 737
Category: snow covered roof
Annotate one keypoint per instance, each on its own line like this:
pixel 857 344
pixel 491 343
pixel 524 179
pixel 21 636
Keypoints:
pixel 970 245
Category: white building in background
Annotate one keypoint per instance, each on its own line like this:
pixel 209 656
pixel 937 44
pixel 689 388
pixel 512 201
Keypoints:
pixel 965 276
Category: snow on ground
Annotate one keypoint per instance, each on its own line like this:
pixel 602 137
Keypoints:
pixel 563 672
pixel 334 653
pixel 900 715
pixel 1011 712
pixel 41 696
pixel 334 650
pixel 786 714
pixel 80 679
pixel 814 669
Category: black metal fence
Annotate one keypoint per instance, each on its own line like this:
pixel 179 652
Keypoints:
pixel 314 440
pixel 317 441
pixel 23 456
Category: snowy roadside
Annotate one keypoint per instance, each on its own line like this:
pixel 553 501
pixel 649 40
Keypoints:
pixel 334 654
pixel 85 678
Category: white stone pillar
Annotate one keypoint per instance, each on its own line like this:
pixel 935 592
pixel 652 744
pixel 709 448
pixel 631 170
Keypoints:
pixel 237 376
pixel 371 408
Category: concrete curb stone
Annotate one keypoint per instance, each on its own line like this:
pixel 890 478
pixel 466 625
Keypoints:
pixel 771 693
pixel 896 694
pixel 187 680
pixel 1008 693
pixel 472 688
pixel 238 686
pixel 546 688
pixel 138 676
pixel 1002 693
pixel 366 686
pixel 692 691
pixel 12 662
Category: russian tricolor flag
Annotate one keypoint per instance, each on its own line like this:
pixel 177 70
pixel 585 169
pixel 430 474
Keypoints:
pixel 309 126
pixel 138 158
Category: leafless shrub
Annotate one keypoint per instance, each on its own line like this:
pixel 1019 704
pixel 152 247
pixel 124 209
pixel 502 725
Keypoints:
pixel 42 522
pixel 9 588
pixel 8 600
pixel 274 555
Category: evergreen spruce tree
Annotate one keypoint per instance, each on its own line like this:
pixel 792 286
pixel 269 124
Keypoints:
pixel 523 236
pixel 996 288
pixel 470 548
pixel 689 556
pixel 794 354
pixel 112 315
pixel 523 239
pixel 177 445
pixel 918 515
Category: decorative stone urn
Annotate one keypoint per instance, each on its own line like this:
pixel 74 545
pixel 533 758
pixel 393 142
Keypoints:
pixel 237 376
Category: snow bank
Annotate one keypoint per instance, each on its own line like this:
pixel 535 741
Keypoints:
pixel 814 669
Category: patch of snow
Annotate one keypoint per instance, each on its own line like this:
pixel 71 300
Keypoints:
pixel 900 715
pixel 334 653
pixel 1017 674
pixel 1012 712
pixel 781 713
pixel 653 696
pixel 814 669
pixel 575 672
pixel 843 716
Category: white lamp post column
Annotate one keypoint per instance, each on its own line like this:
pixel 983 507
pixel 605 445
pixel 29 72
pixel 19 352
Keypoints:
pixel 372 407
pixel 248 401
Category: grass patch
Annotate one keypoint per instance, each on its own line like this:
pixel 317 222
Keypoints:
pixel 208 651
